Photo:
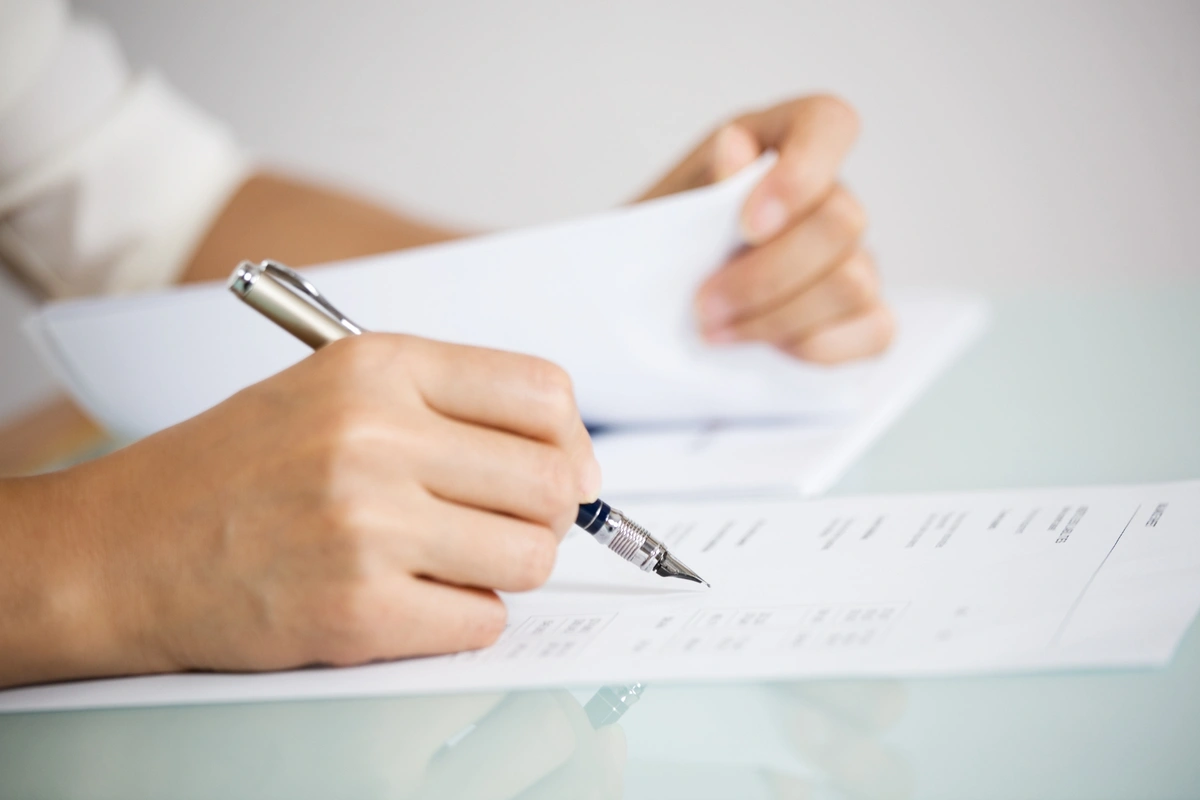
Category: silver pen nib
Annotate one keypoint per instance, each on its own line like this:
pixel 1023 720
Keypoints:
pixel 631 541
pixel 671 567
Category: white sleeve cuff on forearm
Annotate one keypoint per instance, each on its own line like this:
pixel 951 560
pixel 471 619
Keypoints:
pixel 108 183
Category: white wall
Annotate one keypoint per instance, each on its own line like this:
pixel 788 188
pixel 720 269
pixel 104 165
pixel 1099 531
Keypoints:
pixel 1005 144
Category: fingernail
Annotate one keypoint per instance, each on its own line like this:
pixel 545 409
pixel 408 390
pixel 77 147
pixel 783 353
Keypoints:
pixel 734 148
pixel 591 481
pixel 765 219
pixel 713 311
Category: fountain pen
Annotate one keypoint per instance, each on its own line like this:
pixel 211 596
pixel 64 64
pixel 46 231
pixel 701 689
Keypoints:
pixel 290 301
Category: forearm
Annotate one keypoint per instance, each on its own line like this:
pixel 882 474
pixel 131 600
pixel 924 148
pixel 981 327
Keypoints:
pixel 299 223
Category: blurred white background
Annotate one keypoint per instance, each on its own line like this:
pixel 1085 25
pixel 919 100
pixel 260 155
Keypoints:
pixel 1006 145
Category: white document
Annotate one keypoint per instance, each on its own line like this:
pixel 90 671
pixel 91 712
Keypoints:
pixel 942 584
pixel 608 297
pixel 731 458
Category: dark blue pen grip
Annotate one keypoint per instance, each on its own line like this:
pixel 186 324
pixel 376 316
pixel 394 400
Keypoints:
pixel 592 516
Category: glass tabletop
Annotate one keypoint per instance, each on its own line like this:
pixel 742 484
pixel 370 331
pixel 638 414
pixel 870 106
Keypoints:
pixel 1065 388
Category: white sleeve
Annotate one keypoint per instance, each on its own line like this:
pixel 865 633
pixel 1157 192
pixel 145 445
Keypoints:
pixel 108 178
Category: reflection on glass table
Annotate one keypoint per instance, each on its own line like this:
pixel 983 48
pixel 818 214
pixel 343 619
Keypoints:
pixel 523 745
pixel 527 745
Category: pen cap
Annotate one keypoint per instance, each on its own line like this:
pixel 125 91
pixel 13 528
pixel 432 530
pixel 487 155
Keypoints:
pixel 285 306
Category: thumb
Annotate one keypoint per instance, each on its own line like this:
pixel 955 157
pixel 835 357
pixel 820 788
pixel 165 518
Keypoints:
pixel 734 147
pixel 720 155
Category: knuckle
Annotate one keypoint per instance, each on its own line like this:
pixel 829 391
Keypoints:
pixel 760 280
pixel 345 539
pixel 485 625
pixel 353 438
pixel 556 483
pixel 847 213
pixel 534 555
pixel 799 185
pixel 347 617
pixel 343 424
pixel 773 328
pixel 342 420
pixel 812 349
pixel 555 388
pixel 753 330
pixel 340 452
pixel 339 516
pixel 859 283
pixel 372 357
pixel 357 356
pixel 832 106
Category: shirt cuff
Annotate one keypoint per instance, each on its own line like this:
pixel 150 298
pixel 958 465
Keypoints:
pixel 121 207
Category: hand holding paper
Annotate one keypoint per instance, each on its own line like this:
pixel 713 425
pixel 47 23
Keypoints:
pixel 805 284
pixel 608 298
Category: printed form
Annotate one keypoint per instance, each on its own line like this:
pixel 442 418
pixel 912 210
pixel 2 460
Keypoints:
pixel 902 585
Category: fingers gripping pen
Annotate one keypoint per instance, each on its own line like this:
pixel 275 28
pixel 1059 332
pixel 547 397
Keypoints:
pixel 290 301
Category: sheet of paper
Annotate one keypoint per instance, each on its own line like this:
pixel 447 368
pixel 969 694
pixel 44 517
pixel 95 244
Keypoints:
pixel 942 584
pixel 608 297
pixel 732 458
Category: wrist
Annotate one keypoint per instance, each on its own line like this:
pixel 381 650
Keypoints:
pixel 110 607
pixel 59 617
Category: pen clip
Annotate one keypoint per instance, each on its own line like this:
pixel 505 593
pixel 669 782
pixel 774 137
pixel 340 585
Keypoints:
pixel 301 285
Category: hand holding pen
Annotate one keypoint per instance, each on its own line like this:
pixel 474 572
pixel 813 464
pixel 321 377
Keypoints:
pixel 363 504
pixel 290 301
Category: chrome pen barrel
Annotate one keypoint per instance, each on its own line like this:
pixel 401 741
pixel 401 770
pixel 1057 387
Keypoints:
pixel 285 298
